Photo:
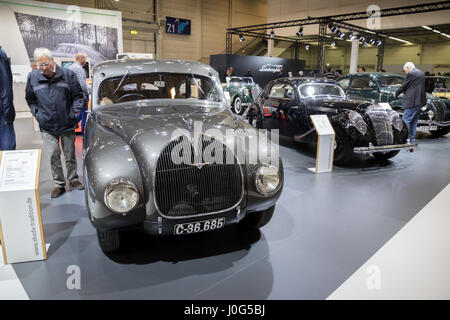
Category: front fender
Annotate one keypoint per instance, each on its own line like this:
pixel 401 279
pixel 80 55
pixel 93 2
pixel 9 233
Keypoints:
pixel 104 162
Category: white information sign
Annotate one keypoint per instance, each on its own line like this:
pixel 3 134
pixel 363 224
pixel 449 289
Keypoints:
pixel 325 144
pixel 21 229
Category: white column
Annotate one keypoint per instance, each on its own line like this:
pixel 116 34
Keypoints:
pixel 354 56
pixel 270 43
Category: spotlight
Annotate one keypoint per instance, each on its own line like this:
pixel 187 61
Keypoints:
pixel 341 35
pixel 307 47
pixel 272 34
pixel 300 31
pixel 362 39
pixel 333 29
pixel 372 41
pixel 365 44
pixel 241 38
pixel 379 42
pixel 333 44
pixel 353 36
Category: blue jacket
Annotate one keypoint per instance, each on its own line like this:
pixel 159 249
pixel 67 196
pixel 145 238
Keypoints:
pixel 55 102
pixel 6 91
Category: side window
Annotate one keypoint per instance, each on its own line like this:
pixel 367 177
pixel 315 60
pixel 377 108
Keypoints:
pixel 281 91
pixel 360 83
pixel 277 91
pixel 344 83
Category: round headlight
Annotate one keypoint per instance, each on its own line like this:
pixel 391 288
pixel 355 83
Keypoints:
pixel 121 196
pixel 357 120
pixel 267 179
pixel 246 92
pixel 431 114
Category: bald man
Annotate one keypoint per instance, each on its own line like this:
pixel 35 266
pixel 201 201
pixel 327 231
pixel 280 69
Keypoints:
pixel 77 68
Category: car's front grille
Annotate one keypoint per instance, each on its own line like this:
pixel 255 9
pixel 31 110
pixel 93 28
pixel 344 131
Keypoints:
pixel 197 187
pixel 381 125
pixel 438 108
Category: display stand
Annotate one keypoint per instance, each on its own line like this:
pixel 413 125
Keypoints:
pixel 325 144
pixel 21 229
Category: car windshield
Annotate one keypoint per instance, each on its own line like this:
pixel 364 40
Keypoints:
pixel 387 81
pixel 320 89
pixel 157 86
pixel 241 80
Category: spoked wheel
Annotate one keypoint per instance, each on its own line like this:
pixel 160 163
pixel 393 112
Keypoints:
pixel 237 106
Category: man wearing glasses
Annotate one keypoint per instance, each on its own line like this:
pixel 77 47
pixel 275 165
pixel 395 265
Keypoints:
pixel 55 99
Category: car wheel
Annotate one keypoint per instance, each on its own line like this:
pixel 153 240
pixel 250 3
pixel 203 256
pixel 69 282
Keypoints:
pixel 387 155
pixel 259 219
pixel 440 132
pixel 109 240
pixel 254 119
pixel 237 106
pixel 342 147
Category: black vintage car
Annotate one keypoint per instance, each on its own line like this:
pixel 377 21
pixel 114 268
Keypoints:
pixel 380 87
pixel 360 127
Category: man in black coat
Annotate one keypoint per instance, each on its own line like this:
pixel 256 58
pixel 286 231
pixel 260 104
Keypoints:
pixel 55 99
pixel 429 83
pixel 413 88
pixel 7 111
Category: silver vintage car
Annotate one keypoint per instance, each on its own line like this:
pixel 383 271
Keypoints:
pixel 163 152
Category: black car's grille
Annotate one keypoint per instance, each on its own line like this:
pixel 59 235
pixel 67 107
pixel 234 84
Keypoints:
pixel 381 126
pixel 438 108
pixel 196 187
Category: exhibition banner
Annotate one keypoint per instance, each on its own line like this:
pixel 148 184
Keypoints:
pixel 263 69
pixel 64 29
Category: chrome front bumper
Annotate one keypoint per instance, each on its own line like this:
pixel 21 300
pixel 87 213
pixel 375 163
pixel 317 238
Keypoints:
pixel 387 148
pixel 433 123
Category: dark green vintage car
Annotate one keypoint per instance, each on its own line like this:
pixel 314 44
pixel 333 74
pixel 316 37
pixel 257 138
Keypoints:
pixel 240 91
pixel 380 87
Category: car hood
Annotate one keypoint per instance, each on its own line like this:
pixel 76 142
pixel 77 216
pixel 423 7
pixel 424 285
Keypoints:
pixel 160 121
pixel 339 104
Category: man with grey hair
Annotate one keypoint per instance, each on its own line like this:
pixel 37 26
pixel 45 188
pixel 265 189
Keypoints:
pixel 55 99
pixel 413 88
pixel 77 68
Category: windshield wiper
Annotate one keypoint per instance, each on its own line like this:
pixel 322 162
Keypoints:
pixel 196 83
pixel 121 81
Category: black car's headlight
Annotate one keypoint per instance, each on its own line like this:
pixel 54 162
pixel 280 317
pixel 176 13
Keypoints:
pixel 395 119
pixel 356 119
pixel 267 179
pixel 121 196
pixel 424 108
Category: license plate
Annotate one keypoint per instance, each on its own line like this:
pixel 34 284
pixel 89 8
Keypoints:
pixel 427 128
pixel 199 226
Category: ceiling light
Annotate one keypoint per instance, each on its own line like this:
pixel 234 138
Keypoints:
pixel 427 27
pixel 341 34
pixel 300 31
pixel 362 39
pixel 241 38
pixel 333 44
pixel 393 38
pixel 353 36
pixel 272 34
pixel 371 41
pixel 379 42
pixel 307 47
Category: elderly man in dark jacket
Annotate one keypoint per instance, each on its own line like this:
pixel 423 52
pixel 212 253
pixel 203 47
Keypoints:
pixel 7 112
pixel 55 99
pixel 413 88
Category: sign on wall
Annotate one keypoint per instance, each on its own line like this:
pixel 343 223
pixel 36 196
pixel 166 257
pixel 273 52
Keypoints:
pixel 178 26
pixel 262 69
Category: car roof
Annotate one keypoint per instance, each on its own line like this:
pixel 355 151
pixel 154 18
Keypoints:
pixel 375 74
pixel 112 68
pixel 301 80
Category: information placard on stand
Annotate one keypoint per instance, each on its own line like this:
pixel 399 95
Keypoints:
pixel 21 229
pixel 325 144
